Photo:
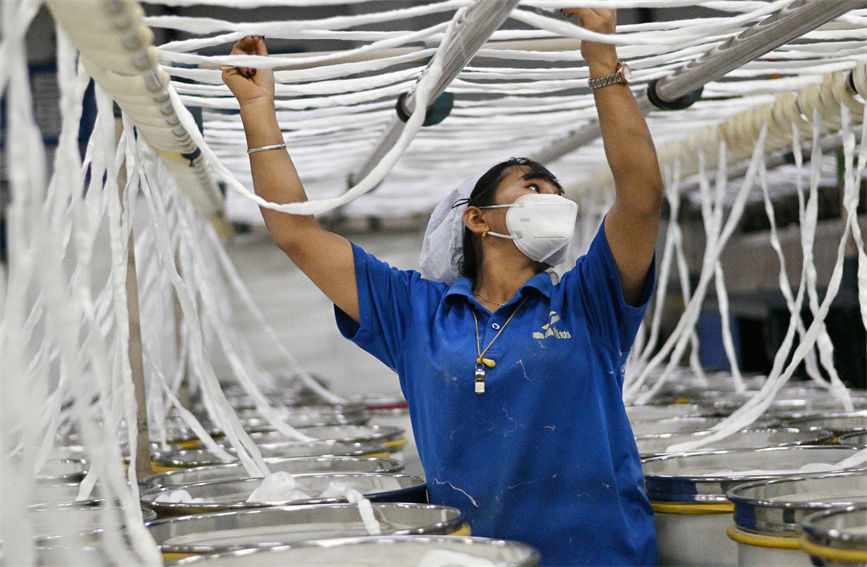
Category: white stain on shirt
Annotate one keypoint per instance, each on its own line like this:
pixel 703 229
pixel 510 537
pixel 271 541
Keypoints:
pixel 525 483
pixel 512 419
pixel 452 486
pixel 524 369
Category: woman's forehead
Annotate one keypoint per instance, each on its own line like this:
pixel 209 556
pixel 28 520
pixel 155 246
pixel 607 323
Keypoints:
pixel 523 173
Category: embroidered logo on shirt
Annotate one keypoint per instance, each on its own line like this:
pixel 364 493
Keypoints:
pixel 550 330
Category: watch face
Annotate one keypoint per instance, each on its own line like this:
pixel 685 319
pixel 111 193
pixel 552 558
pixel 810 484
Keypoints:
pixel 626 71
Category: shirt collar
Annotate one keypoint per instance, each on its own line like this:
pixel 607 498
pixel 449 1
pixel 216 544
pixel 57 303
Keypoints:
pixel 541 282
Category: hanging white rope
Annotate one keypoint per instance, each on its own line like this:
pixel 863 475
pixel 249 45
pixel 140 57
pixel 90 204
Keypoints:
pixel 781 371
pixel 677 341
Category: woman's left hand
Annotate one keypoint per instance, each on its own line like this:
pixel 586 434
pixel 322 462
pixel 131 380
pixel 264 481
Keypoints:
pixel 597 20
pixel 246 83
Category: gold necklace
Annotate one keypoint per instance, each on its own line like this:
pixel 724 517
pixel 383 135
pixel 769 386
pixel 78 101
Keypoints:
pixel 481 361
pixel 480 296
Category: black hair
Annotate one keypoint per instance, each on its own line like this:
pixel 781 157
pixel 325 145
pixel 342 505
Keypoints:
pixel 484 194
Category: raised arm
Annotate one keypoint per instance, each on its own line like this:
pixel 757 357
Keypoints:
pixel 325 257
pixel 632 223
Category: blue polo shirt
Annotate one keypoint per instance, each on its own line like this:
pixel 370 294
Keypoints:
pixel 546 455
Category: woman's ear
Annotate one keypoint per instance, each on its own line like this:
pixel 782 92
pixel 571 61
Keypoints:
pixel 474 220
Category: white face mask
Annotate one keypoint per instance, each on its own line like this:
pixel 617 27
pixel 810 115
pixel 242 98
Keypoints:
pixel 541 224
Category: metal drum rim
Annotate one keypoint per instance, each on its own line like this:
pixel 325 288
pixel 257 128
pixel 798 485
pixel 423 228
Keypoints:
pixel 688 418
pixel 735 496
pixel 379 433
pixel 853 435
pixel 749 507
pixel 533 555
pixel 826 433
pixel 716 478
pixel 244 505
pixel 49 506
pixel 150 479
pixel 713 488
pixel 70 538
pixel 834 415
pixel 820 535
pixel 360 449
pixel 76 476
pixel 94 498
pixel 703 409
pixel 445 525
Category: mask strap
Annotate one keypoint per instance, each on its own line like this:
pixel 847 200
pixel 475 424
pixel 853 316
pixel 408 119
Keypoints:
pixel 509 236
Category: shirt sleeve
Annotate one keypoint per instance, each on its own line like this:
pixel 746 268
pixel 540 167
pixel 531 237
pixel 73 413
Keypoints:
pixel 596 283
pixel 385 307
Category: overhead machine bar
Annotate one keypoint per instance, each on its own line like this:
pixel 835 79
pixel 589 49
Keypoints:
pixel 126 65
pixel 476 25
pixel 788 111
pixel 683 87
pixel 798 18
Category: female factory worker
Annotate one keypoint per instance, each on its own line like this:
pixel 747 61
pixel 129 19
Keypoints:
pixel 513 381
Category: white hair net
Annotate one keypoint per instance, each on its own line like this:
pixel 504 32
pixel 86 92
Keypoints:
pixel 442 248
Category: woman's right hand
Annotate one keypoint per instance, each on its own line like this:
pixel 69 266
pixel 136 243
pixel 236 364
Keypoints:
pixel 246 83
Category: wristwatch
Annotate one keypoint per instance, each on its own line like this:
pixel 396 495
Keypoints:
pixel 623 75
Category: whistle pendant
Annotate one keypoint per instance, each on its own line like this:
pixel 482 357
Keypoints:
pixel 480 380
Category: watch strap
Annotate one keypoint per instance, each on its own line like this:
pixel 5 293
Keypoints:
pixel 604 81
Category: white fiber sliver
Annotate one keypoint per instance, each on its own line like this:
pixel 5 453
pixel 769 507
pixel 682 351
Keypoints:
pixel 336 488
pixel 446 558
pixel 278 487
pixel 855 460
pixel 365 509
pixel 182 496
